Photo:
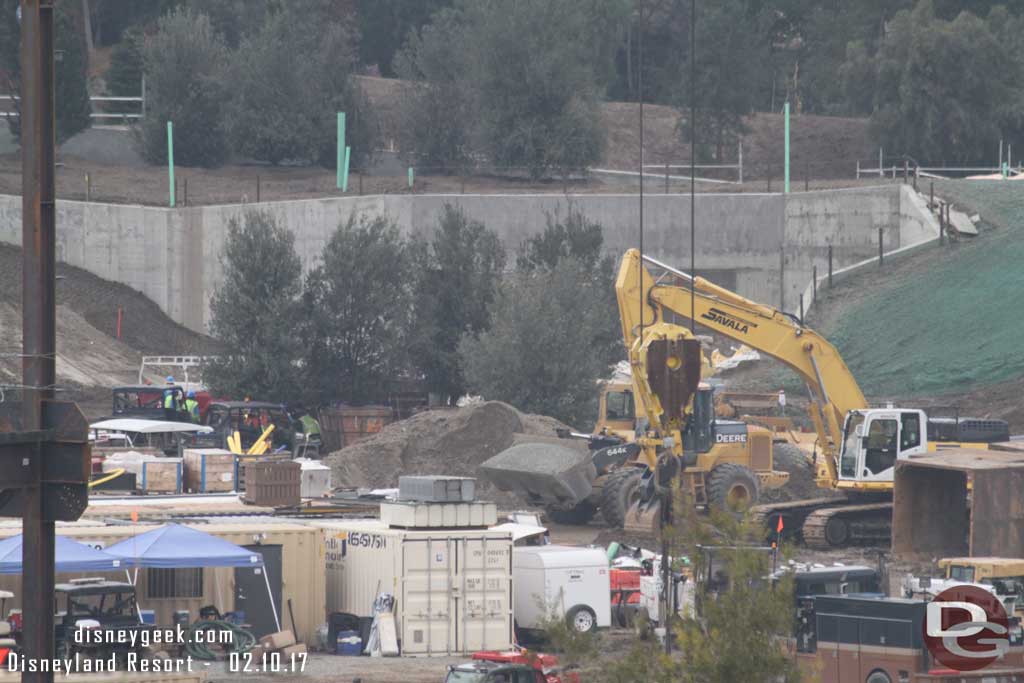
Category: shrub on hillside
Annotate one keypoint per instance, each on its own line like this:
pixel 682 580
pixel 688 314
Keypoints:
pixel 288 81
pixel 184 63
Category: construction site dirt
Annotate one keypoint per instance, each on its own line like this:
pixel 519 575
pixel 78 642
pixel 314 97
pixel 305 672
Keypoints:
pixel 450 442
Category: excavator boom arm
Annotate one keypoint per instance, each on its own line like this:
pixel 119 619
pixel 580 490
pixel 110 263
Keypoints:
pixel 763 328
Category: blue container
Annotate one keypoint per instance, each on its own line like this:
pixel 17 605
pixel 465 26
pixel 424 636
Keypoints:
pixel 148 616
pixel 349 643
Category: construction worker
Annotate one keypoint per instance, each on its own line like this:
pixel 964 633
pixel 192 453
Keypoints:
pixel 192 407
pixel 170 398
pixel 310 426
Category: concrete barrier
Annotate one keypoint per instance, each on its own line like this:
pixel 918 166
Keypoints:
pixel 763 246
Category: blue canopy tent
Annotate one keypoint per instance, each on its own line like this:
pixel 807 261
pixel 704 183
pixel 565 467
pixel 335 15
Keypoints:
pixel 71 556
pixel 174 546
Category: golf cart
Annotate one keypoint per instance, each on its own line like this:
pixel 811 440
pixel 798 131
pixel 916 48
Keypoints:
pixel 105 609
pixel 250 419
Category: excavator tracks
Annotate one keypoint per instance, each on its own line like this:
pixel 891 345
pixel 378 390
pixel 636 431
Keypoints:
pixel 845 525
pixel 828 522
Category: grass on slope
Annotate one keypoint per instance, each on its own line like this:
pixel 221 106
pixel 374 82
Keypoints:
pixel 950 323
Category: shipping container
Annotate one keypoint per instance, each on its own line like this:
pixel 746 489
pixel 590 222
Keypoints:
pixel 453 588
pixel 293 554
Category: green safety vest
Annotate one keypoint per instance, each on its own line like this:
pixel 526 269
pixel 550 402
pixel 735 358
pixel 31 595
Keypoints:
pixel 169 400
pixel 310 426
pixel 192 408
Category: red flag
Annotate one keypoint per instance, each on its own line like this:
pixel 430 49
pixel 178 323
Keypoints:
pixel 778 529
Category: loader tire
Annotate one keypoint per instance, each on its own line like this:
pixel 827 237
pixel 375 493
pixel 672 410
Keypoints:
pixel 580 515
pixel 620 491
pixel 732 487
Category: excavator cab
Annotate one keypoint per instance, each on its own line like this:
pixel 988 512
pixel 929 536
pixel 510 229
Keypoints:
pixel 873 440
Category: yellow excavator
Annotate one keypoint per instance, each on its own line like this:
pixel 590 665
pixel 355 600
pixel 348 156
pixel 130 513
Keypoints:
pixel 857 446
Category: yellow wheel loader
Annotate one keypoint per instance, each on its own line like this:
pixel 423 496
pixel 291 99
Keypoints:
pixel 722 463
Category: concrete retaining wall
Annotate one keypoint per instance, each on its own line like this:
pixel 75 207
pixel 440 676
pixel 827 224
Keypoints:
pixel 765 245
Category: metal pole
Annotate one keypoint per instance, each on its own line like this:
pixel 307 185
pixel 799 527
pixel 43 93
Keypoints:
pixel 257 188
pixel 1000 152
pixel 341 147
pixel 38 301
pixel 931 195
pixel 801 308
pixel 693 182
pixel 807 176
pixel 184 190
pixel 814 283
pixel 88 187
pixel 666 177
pixel 881 256
pixel 170 162
pixel 740 162
pixel 344 176
pixel 830 266
pixel 881 173
pixel 143 96
pixel 906 171
pixel 785 114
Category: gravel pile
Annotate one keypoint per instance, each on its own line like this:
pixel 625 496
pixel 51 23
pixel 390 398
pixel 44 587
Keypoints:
pixel 451 441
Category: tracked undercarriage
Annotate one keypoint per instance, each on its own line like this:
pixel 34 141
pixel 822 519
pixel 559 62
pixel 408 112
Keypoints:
pixel 831 522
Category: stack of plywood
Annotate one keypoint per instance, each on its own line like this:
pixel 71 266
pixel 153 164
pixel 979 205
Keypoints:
pixel 209 469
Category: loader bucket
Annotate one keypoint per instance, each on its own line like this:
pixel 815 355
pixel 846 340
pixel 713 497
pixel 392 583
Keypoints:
pixel 643 517
pixel 545 473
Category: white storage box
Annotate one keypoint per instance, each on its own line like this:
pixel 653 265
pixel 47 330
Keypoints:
pixel 316 478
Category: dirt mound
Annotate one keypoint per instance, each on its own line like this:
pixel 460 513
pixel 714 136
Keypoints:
pixel 801 486
pixel 88 352
pixel 447 441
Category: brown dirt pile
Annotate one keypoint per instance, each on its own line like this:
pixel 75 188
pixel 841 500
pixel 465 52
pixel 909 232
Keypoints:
pixel 445 441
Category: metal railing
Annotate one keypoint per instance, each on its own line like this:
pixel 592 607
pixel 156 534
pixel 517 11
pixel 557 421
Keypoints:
pixel 101 99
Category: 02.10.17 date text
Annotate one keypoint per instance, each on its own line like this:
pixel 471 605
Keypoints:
pixel 268 662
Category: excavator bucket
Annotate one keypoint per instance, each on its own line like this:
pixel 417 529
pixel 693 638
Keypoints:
pixel 643 517
pixel 673 372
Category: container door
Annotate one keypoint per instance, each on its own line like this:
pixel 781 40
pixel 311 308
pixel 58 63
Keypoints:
pixel 426 602
pixel 483 594
pixel 251 590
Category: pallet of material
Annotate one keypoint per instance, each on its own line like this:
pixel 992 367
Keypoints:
pixel 152 473
pixel 160 475
pixel 209 469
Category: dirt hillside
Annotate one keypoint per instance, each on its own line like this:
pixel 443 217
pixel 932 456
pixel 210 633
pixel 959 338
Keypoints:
pixel 446 441
pixel 88 352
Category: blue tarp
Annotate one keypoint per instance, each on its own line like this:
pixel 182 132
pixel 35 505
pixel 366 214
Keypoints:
pixel 175 546
pixel 71 556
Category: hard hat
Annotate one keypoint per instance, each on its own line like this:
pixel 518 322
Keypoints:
pixel 170 379
pixel 191 394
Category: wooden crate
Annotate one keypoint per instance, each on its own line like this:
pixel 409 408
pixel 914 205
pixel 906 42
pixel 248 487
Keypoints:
pixel 209 469
pixel 273 484
pixel 160 475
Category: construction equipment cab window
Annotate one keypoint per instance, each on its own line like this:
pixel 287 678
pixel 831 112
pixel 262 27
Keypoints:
pixel 880 453
pixel 620 405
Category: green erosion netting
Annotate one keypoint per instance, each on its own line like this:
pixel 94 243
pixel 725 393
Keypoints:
pixel 952 326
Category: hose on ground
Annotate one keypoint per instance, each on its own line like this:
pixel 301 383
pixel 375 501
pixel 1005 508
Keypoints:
pixel 200 648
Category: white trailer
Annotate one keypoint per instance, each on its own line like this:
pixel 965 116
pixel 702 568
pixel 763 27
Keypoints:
pixel 558 580
pixel 452 587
